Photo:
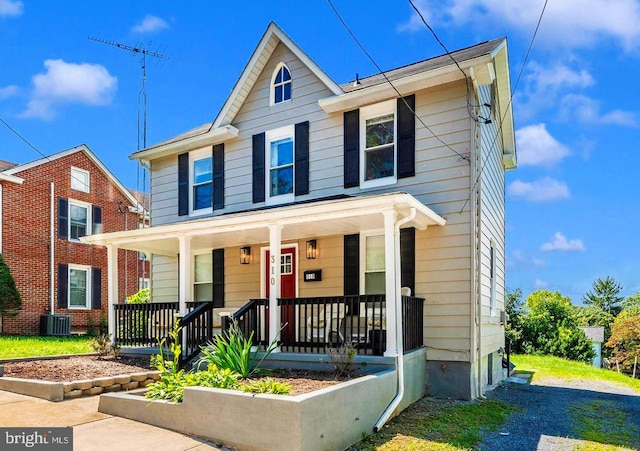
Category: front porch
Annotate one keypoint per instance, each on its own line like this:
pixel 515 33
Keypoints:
pixel 309 325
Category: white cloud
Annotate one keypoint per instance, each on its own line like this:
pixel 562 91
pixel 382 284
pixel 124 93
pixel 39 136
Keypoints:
pixel 536 147
pixel 568 23
pixel 540 284
pixel 557 76
pixel 587 110
pixel 9 91
pixel 11 8
pixel 520 257
pixel 542 190
pixel 65 83
pixel 560 243
pixel 149 24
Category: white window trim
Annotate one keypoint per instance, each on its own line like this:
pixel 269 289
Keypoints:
pixel 272 87
pixel 492 278
pixel 74 177
pixel 368 112
pixel 193 277
pixel 363 254
pixel 287 131
pixel 193 156
pixel 87 299
pixel 86 205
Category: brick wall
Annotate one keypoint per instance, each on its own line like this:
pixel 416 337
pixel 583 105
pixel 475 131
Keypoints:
pixel 26 240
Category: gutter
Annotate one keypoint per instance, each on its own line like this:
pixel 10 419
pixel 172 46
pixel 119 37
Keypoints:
pixel 399 353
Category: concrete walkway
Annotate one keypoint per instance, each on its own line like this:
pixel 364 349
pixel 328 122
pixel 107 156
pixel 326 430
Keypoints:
pixel 93 430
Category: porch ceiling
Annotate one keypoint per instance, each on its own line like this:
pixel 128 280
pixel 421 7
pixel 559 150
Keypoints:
pixel 323 218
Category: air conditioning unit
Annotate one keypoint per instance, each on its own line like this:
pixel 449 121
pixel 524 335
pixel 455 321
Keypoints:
pixel 504 317
pixel 58 325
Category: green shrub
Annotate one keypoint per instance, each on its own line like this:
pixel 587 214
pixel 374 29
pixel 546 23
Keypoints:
pixel 10 301
pixel 267 385
pixel 341 359
pixel 91 327
pixel 232 350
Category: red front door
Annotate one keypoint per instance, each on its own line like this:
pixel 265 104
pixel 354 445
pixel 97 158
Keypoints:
pixel 288 277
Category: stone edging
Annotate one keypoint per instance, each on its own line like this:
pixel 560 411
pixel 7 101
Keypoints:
pixel 59 391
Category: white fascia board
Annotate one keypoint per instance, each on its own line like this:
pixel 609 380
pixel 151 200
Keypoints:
pixel 405 85
pixel 11 178
pixel 215 136
pixel 290 215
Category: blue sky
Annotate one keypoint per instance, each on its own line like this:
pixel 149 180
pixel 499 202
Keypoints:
pixel 572 204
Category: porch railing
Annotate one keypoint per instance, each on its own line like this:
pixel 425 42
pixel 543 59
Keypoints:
pixel 197 330
pixel 251 317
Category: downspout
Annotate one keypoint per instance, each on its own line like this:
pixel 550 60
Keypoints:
pixel 399 345
pixel 52 253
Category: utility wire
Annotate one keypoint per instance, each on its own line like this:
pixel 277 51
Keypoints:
pixel 513 93
pixel 435 36
pixel 462 157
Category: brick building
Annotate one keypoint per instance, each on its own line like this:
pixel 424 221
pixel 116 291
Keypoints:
pixel 52 202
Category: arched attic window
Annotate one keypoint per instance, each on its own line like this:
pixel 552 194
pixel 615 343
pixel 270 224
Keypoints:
pixel 280 84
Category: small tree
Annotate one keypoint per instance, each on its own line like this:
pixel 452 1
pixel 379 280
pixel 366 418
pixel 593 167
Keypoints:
pixel 514 306
pixel 10 301
pixel 606 295
pixel 625 341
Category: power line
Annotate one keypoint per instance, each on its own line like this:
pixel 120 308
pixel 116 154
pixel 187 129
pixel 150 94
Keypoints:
pixel 513 93
pixel 462 157
pixel 448 53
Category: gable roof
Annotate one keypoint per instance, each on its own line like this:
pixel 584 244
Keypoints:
pixel 81 148
pixel 221 128
pixel 4 165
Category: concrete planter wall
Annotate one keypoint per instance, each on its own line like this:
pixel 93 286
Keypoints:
pixel 328 419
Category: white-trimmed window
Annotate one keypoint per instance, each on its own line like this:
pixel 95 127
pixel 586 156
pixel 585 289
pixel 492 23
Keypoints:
pixel 79 219
pixel 79 287
pixel 201 181
pixel 492 276
pixel 203 277
pixel 378 144
pixel 280 84
pixel 79 179
pixel 372 263
pixel 280 160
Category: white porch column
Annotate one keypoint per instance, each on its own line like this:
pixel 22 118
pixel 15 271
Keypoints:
pixel 184 268
pixel 392 282
pixel 275 243
pixel 112 287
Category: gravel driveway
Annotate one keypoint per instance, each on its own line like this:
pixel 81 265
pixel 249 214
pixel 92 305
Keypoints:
pixel 551 412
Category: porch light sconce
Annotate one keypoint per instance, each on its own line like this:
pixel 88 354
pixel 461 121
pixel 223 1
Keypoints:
pixel 312 249
pixel 245 255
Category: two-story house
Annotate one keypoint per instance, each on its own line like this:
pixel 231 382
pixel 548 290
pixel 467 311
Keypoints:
pixel 363 213
pixel 46 206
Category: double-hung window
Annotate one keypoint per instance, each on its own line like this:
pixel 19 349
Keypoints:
pixel 378 144
pixel 79 287
pixel 374 264
pixel 201 181
pixel 280 160
pixel 203 277
pixel 79 220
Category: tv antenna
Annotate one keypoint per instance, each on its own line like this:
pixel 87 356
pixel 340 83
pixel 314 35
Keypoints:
pixel 142 95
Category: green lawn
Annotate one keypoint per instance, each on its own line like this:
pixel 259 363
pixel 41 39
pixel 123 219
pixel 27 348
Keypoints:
pixel 546 366
pixel 13 346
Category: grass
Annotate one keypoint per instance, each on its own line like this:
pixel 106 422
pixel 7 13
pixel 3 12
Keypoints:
pixel 544 367
pixel 602 422
pixel 27 346
pixel 438 426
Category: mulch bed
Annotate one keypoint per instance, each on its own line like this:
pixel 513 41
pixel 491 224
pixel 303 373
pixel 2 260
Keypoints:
pixel 79 368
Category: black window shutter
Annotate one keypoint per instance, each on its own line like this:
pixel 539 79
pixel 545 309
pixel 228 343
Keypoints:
pixel 351 264
pixel 258 167
pixel 302 158
pixel 96 288
pixel 183 184
pixel 218 277
pixel 218 176
pixel 63 286
pixel 406 137
pixel 96 219
pixel 63 218
pixel 408 259
pixel 351 148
